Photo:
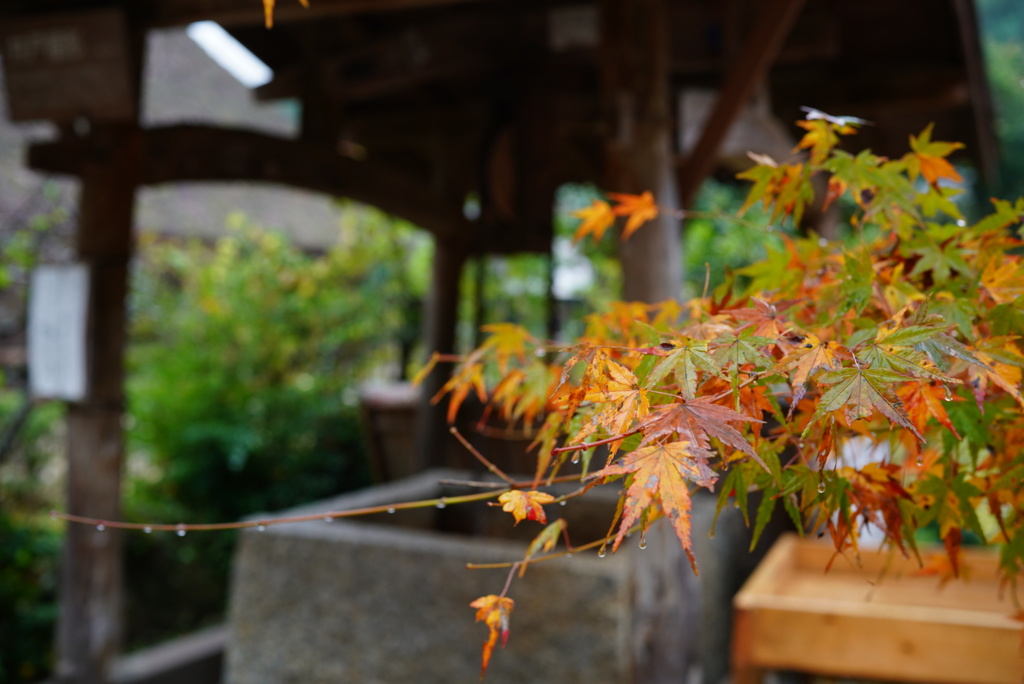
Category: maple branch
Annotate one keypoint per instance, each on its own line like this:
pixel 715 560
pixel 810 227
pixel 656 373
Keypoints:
pixel 600 442
pixel 102 524
pixel 480 457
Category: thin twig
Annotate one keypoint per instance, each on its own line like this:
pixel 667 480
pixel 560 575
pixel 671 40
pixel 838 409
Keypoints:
pixel 480 457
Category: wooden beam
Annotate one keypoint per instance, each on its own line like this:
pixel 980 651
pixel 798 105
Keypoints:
pixel 207 153
pixel 745 75
pixel 241 12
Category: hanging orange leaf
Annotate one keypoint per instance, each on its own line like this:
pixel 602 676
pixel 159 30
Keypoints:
pixel 525 505
pixel 925 400
pixel 639 208
pixel 597 218
pixel 268 11
pixel 494 611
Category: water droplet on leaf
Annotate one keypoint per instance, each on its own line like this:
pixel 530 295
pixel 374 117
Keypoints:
pixel 602 553
pixel 821 487
pixel 643 540
pixel 576 457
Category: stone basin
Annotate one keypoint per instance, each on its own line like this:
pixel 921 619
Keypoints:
pixel 384 599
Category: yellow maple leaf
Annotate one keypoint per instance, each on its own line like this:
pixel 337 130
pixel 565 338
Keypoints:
pixel 639 208
pixel 494 611
pixel 596 220
pixel 526 505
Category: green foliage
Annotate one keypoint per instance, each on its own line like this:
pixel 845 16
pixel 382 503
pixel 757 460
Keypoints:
pixel 29 542
pixel 244 365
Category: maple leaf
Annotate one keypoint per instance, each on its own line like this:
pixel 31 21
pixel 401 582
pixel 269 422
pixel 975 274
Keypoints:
pixel 822 135
pixel 494 611
pixel 543 542
pixel 810 355
pixel 875 492
pixel 626 402
pixel 684 363
pixel 525 505
pixel 894 348
pixel 928 158
pixel 506 340
pixel 639 208
pixel 763 317
pixel 1003 279
pixel 659 477
pixel 926 400
pixel 468 377
pixel 860 392
pixel 695 421
pixel 597 218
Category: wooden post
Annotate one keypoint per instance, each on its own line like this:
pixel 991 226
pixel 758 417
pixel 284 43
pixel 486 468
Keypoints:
pixel 635 74
pixel 441 317
pixel 89 624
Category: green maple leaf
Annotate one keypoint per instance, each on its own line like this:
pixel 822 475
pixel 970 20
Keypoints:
pixel 684 364
pixel 860 392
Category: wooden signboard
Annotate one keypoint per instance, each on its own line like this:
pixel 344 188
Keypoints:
pixel 59 67
pixel 58 316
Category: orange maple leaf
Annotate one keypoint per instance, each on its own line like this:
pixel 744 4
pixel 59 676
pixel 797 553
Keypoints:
pixel 659 480
pixel 626 402
pixel 525 505
pixel 639 208
pixel 494 611
pixel 809 356
pixel 597 218
pixel 928 158
pixel 922 401
pixel 695 421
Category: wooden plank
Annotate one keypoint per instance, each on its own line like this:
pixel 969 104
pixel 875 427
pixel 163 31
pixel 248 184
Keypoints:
pixel 745 75
pixel 208 153
pixel 879 620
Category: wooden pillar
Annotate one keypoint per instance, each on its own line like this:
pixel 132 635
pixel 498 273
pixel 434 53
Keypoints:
pixel 639 155
pixel 89 624
pixel 441 317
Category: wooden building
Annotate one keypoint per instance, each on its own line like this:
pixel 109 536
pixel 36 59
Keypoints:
pixel 414 105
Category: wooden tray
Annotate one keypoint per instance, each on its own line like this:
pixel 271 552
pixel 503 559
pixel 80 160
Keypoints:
pixel 876 621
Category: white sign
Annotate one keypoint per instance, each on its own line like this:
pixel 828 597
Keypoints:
pixel 58 317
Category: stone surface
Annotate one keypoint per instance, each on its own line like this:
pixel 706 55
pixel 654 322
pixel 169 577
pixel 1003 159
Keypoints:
pixel 385 600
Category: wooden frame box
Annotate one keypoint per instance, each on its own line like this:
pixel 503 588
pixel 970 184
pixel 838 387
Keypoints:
pixel 882 620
